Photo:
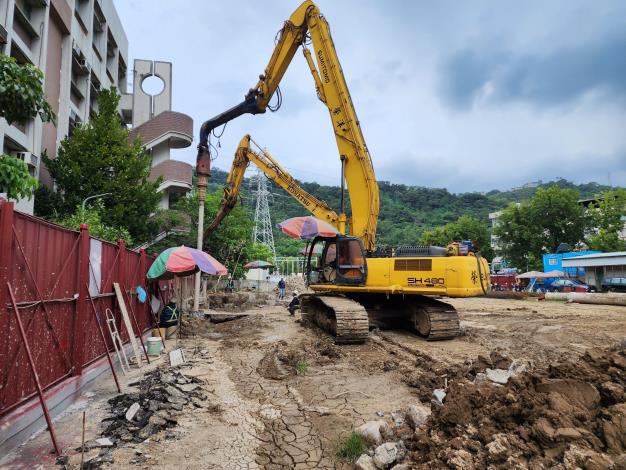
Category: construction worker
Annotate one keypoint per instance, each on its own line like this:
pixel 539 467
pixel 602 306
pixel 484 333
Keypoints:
pixel 281 289
pixel 294 304
pixel 169 317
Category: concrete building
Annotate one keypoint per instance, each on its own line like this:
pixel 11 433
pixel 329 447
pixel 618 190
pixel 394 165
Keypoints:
pixel 494 241
pixel 81 47
pixel 160 128
pixel 554 261
pixel 599 266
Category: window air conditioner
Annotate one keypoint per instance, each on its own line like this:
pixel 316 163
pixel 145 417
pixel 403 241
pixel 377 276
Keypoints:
pixel 30 159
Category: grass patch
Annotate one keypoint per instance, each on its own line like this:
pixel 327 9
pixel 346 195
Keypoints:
pixel 352 447
pixel 302 367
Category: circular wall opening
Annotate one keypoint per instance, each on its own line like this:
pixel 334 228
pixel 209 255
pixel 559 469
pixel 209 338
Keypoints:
pixel 152 85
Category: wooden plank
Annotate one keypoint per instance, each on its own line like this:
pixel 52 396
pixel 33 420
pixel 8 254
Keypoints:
pixel 127 324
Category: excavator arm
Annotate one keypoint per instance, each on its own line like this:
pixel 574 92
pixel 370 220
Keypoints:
pixel 357 170
pixel 263 160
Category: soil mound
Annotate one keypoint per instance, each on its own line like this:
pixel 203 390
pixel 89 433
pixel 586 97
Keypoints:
pixel 572 414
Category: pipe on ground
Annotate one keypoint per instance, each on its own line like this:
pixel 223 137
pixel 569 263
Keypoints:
pixel 599 299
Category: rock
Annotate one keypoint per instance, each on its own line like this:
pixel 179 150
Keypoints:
pixel 461 460
pixel 499 376
pixel 371 431
pixel 188 387
pixel 386 454
pixel 499 361
pixel 132 411
pixel 365 462
pixel 104 442
pixel 439 394
pixel 498 449
pixel 417 415
pixel 147 431
pixel 401 466
pixel 153 405
pixel 398 418
pixel 518 366
pixel 157 421
pixel 577 457
pixel 480 378
pixel 174 392
pixel 567 434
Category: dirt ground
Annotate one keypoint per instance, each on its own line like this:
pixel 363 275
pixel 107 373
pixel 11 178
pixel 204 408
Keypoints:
pixel 262 413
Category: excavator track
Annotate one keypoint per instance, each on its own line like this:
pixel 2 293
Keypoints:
pixel 435 320
pixel 345 319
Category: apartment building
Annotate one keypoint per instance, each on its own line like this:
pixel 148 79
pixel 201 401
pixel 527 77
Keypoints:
pixel 81 47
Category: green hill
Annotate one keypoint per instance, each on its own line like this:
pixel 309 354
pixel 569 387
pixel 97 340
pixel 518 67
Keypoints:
pixel 405 211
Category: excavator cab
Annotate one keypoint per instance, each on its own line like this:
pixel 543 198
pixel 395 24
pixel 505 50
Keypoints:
pixel 342 262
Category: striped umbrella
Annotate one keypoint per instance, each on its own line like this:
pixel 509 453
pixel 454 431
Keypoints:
pixel 257 264
pixel 305 228
pixel 183 261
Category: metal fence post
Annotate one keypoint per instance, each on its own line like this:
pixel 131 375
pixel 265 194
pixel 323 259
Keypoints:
pixel 80 312
pixel 6 260
pixel 143 269
pixel 120 273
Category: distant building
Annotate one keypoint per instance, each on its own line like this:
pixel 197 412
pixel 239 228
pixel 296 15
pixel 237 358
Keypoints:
pixel 554 261
pixel 494 241
pixel 82 48
pixel 599 266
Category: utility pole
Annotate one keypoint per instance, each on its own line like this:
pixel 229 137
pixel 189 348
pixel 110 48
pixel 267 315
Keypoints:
pixel 202 185
pixel 203 171
pixel 262 233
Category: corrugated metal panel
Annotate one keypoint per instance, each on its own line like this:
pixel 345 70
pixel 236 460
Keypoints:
pixel 53 255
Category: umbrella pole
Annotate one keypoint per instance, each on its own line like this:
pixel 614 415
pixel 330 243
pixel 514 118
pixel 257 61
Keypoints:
pixel 202 184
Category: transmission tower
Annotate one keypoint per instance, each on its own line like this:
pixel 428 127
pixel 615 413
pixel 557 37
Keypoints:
pixel 262 233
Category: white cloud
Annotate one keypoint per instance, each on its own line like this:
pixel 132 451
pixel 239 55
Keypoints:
pixel 391 54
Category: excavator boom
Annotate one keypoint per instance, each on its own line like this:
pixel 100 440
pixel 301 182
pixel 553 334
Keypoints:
pixel 307 22
pixel 266 163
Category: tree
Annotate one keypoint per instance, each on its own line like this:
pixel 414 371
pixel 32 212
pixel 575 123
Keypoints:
pixel 607 219
pixel 21 99
pixel 21 92
pixel 231 243
pixel 15 179
pixel 92 217
pixel 97 158
pixel 464 228
pixel 526 231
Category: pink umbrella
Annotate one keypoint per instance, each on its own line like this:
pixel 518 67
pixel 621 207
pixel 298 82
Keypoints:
pixel 305 228
pixel 183 261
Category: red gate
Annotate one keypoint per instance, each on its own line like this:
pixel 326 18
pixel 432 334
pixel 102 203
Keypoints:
pixel 49 268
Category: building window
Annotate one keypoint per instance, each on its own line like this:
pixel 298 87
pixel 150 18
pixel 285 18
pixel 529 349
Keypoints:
pixel 99 28
pixel 80 12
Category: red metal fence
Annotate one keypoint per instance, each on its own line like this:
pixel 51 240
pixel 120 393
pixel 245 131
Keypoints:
pixel 51 271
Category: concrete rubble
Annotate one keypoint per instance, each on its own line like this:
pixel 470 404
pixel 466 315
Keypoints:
pixel 136 416
pixel 388 453
pixel 372 431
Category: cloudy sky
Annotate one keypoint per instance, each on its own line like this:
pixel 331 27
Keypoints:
pixel 469 96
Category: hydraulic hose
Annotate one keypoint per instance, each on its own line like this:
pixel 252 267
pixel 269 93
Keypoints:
pixel 480 272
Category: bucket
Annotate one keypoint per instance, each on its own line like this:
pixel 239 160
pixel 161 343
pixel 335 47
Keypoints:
pixel 154 346
pixel 155 332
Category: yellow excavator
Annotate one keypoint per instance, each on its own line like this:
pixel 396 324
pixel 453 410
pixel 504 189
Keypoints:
pixel 355 285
